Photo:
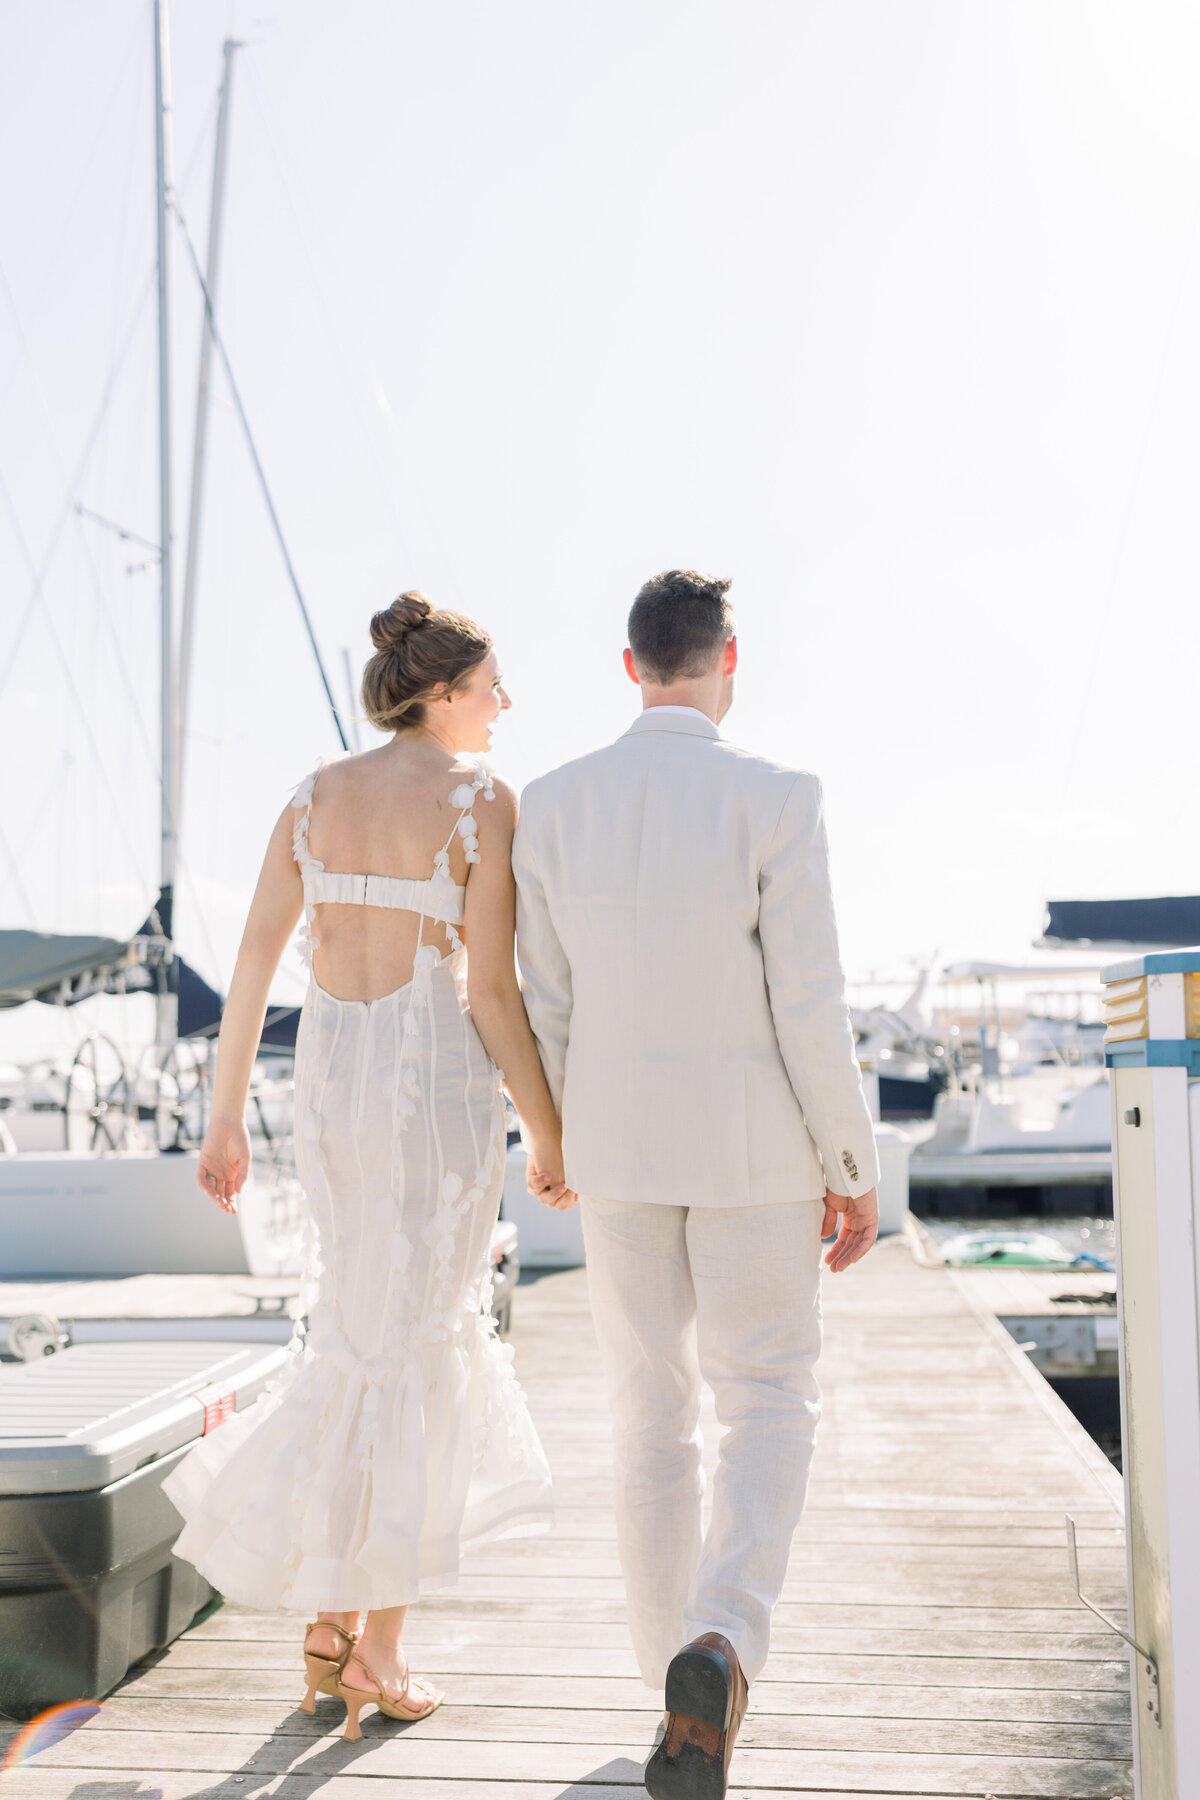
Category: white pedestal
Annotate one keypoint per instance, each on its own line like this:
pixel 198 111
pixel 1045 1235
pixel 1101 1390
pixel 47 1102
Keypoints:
pixel 894 1150
pixel 1152 1044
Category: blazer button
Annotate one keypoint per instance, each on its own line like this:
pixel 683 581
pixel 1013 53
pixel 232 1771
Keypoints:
pixel 850 1166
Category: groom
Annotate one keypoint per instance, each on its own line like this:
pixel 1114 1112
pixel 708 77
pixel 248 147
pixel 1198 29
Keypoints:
pixel 680 960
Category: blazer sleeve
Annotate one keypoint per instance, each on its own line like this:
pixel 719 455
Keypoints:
pixel 545 971
pixel 806 986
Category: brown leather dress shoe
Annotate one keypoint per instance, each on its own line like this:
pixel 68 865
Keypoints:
pixel 706 1703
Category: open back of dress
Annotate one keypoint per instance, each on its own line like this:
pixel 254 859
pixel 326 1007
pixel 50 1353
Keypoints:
pixel 437 899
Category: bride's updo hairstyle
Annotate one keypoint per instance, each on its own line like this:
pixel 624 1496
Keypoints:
pixel 417 648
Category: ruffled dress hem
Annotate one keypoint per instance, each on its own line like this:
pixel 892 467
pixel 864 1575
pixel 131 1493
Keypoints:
pixel 321 1584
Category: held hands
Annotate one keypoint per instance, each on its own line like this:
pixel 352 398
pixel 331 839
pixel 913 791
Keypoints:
pixel 224 1162
pixel 544 1175
pixel 860 1225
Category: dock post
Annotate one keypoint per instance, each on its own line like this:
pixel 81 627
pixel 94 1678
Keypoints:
pixel 1152 1047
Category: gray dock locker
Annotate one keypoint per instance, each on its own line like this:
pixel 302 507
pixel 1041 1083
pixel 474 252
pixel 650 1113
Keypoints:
pixel 88 1581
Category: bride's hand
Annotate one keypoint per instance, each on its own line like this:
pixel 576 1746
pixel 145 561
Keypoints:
pixel 224 1162
pixel 544 1176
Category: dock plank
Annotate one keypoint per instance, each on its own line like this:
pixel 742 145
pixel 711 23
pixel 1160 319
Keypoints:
pixel 1027 1705
pixel 822 1668
pixel 400 1755
pixel 766 1729
pixel 96 1784
pixel 928 1642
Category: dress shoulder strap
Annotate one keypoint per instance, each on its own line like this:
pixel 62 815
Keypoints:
pixel 463 797
pixel 302 804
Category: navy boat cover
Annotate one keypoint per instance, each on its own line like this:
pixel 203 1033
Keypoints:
pixel 1168 920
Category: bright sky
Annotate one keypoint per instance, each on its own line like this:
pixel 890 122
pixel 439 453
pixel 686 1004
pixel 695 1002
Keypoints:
pixel 887 312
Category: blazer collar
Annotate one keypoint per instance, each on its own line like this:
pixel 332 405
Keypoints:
pixel 658 719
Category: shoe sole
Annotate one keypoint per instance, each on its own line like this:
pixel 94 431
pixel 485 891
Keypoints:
pixel 689 1776
pixel 700 1684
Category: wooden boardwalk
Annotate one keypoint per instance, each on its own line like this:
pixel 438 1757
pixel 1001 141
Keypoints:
pixel 928 1641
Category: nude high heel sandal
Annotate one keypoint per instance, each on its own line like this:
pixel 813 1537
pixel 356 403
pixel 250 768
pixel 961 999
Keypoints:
pixel 323 1671
pixel 357 1698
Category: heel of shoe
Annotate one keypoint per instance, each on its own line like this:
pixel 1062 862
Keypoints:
pixel 355 1701
pixel 317 1671
pixel 323 1673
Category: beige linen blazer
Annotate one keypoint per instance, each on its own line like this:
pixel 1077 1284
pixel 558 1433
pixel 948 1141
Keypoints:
pixel 679 955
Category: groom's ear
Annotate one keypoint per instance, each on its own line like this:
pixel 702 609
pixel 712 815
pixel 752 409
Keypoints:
pixel 730 663
pixel 631 668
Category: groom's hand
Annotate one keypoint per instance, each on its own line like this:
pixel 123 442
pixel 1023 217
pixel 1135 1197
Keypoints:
pixel 860 1227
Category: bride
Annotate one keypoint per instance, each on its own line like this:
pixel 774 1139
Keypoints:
pixel 399 1436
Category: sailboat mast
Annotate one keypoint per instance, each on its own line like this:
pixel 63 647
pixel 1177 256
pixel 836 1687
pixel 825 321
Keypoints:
pixel 216 210
pixel 166 1007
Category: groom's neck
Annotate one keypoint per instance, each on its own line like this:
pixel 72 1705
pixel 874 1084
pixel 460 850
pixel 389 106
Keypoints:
pixel 704 692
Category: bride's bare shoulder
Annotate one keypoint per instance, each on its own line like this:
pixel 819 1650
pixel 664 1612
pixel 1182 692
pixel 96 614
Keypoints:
pixel 492 799
pixel 335 773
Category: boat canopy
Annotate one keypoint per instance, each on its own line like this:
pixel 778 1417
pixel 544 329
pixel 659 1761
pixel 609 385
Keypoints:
pixel 1046 970
pixel 61 970
pixel 1170 919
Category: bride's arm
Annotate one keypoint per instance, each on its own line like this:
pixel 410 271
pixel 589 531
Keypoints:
pixel 494 996
pixel 274 911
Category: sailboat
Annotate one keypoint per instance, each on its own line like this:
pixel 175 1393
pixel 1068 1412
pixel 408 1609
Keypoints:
pixel 118 1195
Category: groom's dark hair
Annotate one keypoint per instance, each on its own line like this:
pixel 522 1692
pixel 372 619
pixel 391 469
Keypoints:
pixel 678 625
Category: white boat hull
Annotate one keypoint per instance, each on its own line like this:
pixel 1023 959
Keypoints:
pixel 63 1213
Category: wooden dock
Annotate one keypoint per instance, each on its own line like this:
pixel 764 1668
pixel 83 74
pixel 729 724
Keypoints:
pixel 928 1641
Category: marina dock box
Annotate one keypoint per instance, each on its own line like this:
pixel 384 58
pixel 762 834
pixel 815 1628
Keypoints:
pixel 1152 1046
pixel 88 1581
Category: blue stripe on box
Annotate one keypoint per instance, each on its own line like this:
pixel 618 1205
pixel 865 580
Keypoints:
pixel 1155 1053
pixel 1154 962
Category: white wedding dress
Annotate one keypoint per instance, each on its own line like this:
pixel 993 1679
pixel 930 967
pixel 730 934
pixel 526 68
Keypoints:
pixel 398 1437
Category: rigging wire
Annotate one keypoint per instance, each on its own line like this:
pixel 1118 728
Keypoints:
pixel 13 68
pixel 404 472
pixel 336 338
pixel 44 801
pixel 100 476
pixel 19 885
pixel 219 344
pixel 97 585
pixel 109 112
pixel 117 361
pixel 188 884
pixel 63 518
pixel 65 665
pixel 127 537
pixel 120 257
pixel 38 599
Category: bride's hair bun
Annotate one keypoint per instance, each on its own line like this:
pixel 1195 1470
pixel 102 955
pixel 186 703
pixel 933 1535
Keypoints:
pixel 390 627
pixel 418 649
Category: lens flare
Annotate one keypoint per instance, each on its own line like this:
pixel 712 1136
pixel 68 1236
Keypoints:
pixel 50 1728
